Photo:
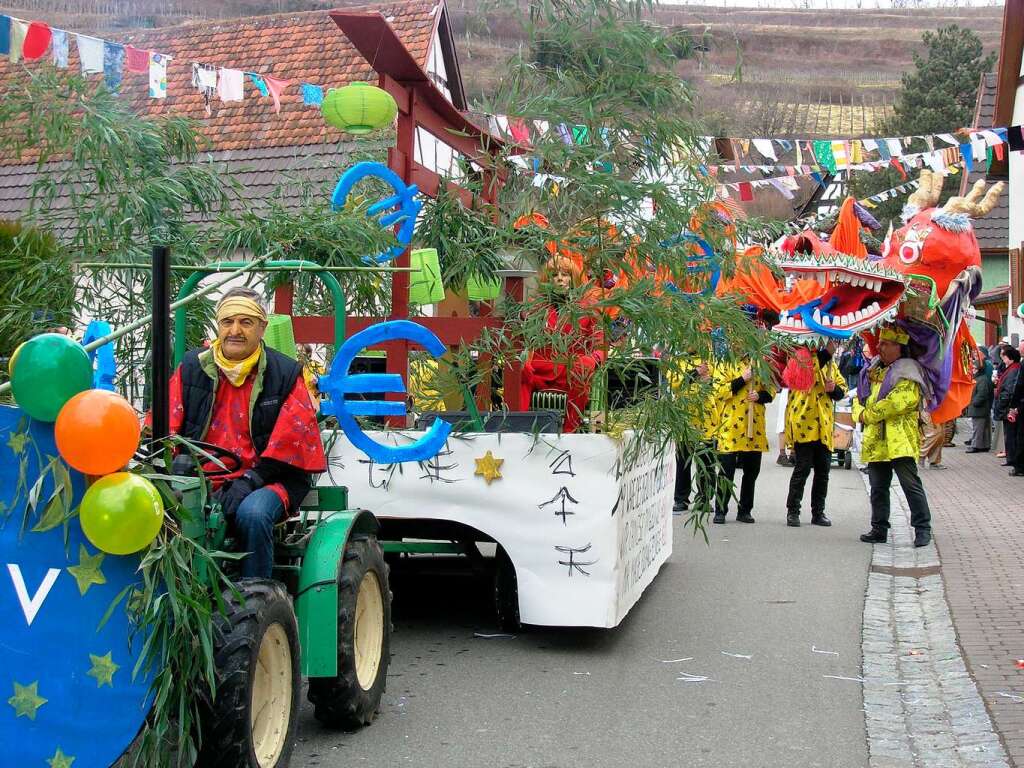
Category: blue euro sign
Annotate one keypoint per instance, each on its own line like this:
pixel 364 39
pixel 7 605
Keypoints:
pixel 706 263
pixel 338 382
pixel 406 206
pixel 102 358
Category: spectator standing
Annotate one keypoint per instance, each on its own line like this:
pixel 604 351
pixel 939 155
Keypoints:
pixel 1006 383
pixel 980 409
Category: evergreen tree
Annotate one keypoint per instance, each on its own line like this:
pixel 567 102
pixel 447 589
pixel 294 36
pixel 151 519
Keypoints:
pixel 937 96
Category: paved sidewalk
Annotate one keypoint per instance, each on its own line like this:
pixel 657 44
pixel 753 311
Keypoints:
pixel 978 519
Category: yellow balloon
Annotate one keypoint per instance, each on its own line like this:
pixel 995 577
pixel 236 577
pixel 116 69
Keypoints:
pixel 121 513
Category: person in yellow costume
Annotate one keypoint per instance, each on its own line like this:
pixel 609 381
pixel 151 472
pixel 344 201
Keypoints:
pixel 691 382
pixel 741 434
pixel 889 399
pixel 810 420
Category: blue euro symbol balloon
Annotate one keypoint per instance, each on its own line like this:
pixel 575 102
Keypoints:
pixel 338 382
pixel 406 206
pixel 706 262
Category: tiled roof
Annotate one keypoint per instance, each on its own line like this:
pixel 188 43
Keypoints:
pixel 300 47
pixel 281 173
pixel 993 230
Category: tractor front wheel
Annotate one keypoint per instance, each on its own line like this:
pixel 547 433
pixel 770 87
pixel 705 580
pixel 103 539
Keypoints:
pixel 352 699
pixel 251 721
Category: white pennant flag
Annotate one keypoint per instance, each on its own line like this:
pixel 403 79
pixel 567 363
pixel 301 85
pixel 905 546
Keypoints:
pixel 764 146
pixel 991 138
pixel 948 138
pixel 894 147
pixel 870 145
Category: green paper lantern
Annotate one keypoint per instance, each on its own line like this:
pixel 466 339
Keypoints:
pixel 483 290
pixel 1020 313
pixel 425 286
pixel 280 336
pixel 359 108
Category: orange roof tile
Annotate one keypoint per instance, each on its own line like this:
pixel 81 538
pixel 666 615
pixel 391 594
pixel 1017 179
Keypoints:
pixel 300 47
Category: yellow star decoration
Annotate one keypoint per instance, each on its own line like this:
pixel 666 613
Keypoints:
pixel 60 760
pixel 489 467
pixel 16 442
pixel 103 669
pixel 26 700
pixel 88 571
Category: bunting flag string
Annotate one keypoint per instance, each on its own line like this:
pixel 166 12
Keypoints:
pixel 810 222
pixel 20 39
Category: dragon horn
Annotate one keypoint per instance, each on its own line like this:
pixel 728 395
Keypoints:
pixel 928 191
pixel 974 205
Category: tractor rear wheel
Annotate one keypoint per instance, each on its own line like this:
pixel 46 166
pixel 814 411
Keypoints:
pixel 352 699
pixel 251 721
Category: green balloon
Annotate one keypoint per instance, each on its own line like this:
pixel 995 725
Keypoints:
pixel 121 513
pixel 52 368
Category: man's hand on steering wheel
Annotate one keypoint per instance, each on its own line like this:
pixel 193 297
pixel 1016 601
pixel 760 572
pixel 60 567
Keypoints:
pixel 234 493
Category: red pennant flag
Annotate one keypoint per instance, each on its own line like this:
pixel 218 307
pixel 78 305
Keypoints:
pixel 999 151
pixel 895 163
pixel 275 86
pixel 136 59
pixel 519 130
pixel 746 191
pixel 37 40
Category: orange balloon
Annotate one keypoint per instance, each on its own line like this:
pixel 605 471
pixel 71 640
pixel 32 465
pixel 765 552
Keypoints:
pixel 97 432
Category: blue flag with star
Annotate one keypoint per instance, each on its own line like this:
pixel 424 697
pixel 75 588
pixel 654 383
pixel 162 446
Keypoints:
pixel 67 697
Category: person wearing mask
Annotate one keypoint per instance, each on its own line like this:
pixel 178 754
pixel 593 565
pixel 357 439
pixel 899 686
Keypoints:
pixel 249 399
pixel 568 363
pixel 1006 384
pixel 741 434
pixel 890 394
pixel 980 409
pixel 810 422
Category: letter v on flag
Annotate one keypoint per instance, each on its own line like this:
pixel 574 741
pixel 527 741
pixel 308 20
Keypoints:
pixel 30 605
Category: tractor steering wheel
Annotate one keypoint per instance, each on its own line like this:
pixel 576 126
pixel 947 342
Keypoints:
pixel 232 461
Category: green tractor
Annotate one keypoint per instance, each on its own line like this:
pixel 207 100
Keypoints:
pixel 325 615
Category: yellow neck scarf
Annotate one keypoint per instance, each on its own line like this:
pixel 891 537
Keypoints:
pixel 236 371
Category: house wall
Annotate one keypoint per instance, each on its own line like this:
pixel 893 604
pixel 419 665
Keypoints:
pixel 995 271
pixel 1016 323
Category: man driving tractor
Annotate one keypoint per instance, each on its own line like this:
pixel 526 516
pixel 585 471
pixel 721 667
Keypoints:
pixel 249 400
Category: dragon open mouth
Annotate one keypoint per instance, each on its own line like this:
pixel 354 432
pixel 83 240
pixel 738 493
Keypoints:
pixel 856 295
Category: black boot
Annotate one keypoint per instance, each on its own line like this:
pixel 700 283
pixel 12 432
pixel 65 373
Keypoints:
pixel 793 519
pixel 680 506
pixel 719 518
pixel 744 517
pixel 819 518
pixel 922 537
pixel 875 536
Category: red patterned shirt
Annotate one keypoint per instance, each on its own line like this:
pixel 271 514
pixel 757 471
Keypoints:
pixel 295 439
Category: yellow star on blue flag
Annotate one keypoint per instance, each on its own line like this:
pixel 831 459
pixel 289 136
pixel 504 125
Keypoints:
pixel 103 669
pixel 26 700
pixel 88 571
pixel 60 760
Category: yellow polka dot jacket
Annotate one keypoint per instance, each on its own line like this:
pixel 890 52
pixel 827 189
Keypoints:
pixel 890 423
pixel 740 421
pixel 810 415
pixel 696 395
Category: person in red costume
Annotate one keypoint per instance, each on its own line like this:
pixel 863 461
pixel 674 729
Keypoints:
pixel 251 400
pixel 571 367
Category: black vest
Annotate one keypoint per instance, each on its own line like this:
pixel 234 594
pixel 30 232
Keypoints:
pixel 198 390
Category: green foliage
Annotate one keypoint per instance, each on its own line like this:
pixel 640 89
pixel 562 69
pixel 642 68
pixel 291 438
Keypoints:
pixel 36 285
pixel 938 96
pixel 605 70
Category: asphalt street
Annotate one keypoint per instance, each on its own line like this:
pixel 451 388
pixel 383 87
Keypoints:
pixel 766 613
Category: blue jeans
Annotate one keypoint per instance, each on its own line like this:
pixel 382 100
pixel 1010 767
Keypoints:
pixel 254 532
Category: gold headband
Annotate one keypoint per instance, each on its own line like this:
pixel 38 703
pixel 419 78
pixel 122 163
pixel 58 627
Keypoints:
pixel 892 334
pixel 240 305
